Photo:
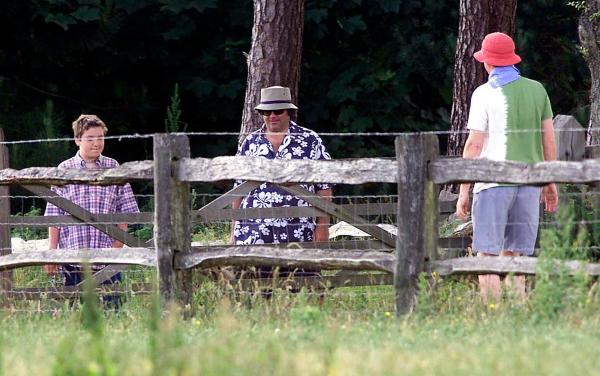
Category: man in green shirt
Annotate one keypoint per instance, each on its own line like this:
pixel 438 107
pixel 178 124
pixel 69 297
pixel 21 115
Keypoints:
pixel 510 119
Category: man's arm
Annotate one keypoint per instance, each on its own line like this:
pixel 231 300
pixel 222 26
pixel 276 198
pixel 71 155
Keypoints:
pixel 472 150
pixel 322 223
pixel 53 233
pixel 549 192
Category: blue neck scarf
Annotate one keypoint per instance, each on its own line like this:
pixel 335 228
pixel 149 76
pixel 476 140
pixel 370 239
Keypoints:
pixel 501 76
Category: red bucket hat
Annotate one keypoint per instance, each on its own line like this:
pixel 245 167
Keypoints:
pixel 497 49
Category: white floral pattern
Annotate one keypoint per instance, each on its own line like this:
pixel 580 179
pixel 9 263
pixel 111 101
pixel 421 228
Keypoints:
pixel 299 143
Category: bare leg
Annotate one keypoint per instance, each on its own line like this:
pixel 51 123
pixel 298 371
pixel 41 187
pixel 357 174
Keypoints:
pixel 489 285
pixel 515 283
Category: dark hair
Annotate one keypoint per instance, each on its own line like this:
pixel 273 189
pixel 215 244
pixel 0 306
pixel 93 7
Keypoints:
pixel 293 113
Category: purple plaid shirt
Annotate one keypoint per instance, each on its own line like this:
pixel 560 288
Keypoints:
pixel 95 199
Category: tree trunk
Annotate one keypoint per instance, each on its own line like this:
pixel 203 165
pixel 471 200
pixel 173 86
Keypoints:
pixel 275 54
pixel 589 35
pixel 477 19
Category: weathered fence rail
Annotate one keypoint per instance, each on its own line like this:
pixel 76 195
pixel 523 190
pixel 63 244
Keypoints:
pixel 287 257
pixel 197 170
pixel 351 171
pixel 505 265
pixel 417 171
pixel 121 256
pixel 458 170
pixel 124 173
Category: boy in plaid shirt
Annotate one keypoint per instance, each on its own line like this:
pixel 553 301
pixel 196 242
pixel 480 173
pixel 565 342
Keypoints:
pixel 89 132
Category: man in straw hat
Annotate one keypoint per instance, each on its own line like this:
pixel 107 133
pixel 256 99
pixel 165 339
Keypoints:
pixel 280 138
pixel 510 119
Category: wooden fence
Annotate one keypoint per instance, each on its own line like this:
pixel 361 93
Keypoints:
pixel 418 171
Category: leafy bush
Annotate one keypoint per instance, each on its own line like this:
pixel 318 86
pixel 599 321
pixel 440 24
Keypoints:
pixel 28 233
pixel 556 290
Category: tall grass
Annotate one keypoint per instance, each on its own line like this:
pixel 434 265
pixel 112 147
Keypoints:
pixel 556 290
pixel 295 334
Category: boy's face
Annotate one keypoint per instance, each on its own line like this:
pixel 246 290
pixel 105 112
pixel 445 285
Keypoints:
pixel 91 143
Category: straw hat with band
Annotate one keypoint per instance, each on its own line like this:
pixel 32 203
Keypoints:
pixel 497 49
pixel 275 98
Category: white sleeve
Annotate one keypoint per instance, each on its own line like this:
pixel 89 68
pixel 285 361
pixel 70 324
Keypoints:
pixel 478 116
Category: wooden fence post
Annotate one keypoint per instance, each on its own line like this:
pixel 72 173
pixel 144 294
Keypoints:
pixel 594 153
pixel 417 215
pixel 570 138
pixel 172 219
pixel 5 242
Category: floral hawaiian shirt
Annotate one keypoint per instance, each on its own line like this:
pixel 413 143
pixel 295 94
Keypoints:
pixel 299 143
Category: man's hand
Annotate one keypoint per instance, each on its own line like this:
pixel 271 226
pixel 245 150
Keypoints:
pixel 51 269
pixel 462 206
pixel 550 197
pixel 472 149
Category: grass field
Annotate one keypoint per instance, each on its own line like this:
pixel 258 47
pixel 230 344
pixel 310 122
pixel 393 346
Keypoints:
pixel 351 332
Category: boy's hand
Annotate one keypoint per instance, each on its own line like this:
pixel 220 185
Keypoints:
pixel 51 269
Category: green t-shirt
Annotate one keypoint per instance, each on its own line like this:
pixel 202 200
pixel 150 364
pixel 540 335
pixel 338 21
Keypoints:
pixel 511 116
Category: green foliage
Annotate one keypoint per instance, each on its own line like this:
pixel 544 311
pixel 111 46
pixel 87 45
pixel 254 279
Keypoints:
pixel 28 233
pixel 37 123
pixel 173 120
pixel 306 315
pixel 91 357
pixel 165 338
pixel 178 6
pixel 383 65
pixel 154 319
pixel 425 304
pixel 538 42
pixel 145 232
pixel 565 240
pixel 383 80
pixel 452 296
pixel 555 290
pixel 579 5
pixel 211 232
pixel 86 14
pixel 581 202
pixel 582 7
pixel 206 298
pixel 294 336
pixel 34 276
pixel 92 313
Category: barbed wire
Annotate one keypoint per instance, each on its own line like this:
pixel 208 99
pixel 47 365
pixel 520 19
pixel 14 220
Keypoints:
pixel 323 134
pixel 72 139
